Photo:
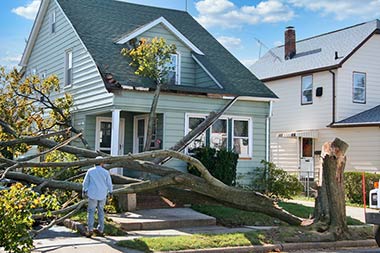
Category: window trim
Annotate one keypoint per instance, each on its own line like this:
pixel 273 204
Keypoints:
pixel 121 132
pixel 353 88
pixel 177 68
pixel 250 134
pixel 66 75
pixel 226 117
pixel 312 87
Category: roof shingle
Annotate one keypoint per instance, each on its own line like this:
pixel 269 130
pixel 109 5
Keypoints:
pixel 100 23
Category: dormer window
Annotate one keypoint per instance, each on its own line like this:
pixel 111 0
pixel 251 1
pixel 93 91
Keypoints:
pixel 173 75
pixel 52 22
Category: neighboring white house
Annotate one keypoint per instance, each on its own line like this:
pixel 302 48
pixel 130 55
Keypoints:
pixel 329 86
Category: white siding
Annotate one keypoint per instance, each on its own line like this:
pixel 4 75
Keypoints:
pixel 363 153
pixel 290 115
pixel 366 59
pixel 48 56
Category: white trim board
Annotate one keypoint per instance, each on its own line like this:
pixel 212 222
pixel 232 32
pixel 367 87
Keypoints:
pixel 168 25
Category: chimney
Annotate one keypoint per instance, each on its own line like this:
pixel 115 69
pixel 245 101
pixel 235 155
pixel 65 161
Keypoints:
pixel 290 42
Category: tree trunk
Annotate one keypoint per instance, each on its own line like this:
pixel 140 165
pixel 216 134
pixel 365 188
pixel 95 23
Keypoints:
pixel 330 207
pixel 152 117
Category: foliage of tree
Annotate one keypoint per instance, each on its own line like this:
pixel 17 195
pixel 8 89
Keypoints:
pixel 151 58
pixel 16 207
pixel 28 107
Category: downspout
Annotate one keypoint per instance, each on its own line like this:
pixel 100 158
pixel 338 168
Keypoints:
pixel 267 144
pixel 333 98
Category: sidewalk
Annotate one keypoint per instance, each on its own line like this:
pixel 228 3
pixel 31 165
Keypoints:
pixel 354 212
pixel 62 240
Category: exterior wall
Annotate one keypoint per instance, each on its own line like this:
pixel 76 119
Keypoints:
pixel 290 115
pixel 175 107
pixel 363 153
pixel 191 73
pixel 48 56
pixel 365 59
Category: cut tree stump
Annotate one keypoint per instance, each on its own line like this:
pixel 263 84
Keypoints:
pixel 330 206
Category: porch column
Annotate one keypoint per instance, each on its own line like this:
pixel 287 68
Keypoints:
pixel 115 134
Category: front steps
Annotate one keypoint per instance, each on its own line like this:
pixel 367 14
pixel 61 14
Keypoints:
pixel 166 218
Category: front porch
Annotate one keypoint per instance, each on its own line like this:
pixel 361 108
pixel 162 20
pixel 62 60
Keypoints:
pixel 122 132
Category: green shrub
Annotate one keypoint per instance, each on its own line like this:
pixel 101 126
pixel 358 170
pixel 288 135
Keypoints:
pixel 275 182
pixel 353 185
pixel 221 164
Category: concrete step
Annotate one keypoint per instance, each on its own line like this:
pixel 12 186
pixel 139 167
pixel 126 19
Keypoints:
pixel 168 218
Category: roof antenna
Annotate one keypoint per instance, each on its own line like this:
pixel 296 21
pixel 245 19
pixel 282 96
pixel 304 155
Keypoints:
pixel 276 57
pixel 186 6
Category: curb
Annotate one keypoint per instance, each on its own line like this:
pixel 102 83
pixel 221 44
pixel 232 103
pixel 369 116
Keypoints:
pixel 284 247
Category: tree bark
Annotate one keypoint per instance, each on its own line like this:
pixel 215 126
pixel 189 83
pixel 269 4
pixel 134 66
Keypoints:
pixel 330 213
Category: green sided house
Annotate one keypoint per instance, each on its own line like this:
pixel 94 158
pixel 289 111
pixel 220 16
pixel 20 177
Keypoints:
pixel 80 41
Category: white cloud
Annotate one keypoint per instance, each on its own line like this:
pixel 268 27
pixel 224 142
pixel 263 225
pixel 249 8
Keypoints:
pixel 10 61
pixel 28 11
pixel 248 62
pixel 225 14
pixel 229 42
pixel 342 9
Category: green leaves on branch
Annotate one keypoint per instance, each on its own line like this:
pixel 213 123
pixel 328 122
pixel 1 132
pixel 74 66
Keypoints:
pixel 151 58
pixel 30 106
pixel 16 205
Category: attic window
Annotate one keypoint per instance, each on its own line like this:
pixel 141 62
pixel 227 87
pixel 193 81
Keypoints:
pixel 359 87
pixel 173 75
pixel 68 68
pixel 52 22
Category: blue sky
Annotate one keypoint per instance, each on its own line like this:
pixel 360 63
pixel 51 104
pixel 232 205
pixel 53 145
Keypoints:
pixel 237 24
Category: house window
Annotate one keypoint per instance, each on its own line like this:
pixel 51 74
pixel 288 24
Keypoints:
pixel 219 134
pixel 200 141
pixel 52 22
pixel 241 137
pixel 172 76
pixel 307 90
pixel 69 68
pixel 228 132
pixel 359 86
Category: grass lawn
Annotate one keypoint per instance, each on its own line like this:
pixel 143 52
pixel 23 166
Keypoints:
pixel 202 241
pixel 231 217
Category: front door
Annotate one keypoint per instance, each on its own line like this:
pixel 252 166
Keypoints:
pixel 307 158
pixel 104 133
pixel 140 132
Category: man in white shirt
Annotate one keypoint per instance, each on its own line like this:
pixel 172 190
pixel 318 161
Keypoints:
pixel 97 185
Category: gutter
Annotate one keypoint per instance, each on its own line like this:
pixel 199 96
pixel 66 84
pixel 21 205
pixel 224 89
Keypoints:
pixel 364 124
pixel 333 98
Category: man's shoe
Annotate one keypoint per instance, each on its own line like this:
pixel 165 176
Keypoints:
pixel 99 233
pixel 89 234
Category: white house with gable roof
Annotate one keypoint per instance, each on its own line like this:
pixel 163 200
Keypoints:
pixel 329 86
